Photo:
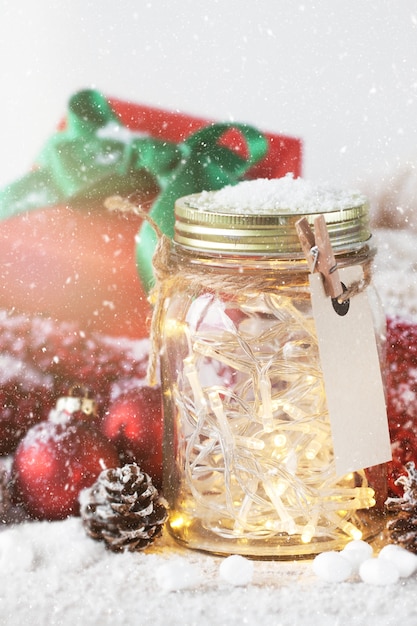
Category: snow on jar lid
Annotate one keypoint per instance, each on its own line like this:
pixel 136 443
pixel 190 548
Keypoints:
pixel 259 216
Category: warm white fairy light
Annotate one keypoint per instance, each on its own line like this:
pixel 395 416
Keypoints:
pixel 347 527
pixel 257 445
pixel 308 533
pixel 177 522
pixel 315 445
pixel 281 487
pixel 217 407
pixel 288 523
pixel 280 440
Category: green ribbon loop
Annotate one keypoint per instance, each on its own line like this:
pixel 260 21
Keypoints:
pixel 206 165
pixel 95 156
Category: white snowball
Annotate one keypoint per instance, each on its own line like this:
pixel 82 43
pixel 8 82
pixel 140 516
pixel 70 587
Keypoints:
pixel 332 567
pixel 236 570
pixel 356 552
pixel 378 572
pixel 405 561
pixel 177 574
pixel 15 551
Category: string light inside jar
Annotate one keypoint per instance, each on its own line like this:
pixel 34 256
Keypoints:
pixel 249 454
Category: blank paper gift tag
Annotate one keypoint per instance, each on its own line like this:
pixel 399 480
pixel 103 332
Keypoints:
pixel 352 377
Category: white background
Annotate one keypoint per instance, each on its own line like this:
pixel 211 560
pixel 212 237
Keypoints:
pixel 342 75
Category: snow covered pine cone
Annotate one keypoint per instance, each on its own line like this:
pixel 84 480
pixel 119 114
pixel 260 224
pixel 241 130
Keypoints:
pixel 123 509
pixel 402 529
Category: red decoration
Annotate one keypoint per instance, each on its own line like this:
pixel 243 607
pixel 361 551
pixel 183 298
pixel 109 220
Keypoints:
pixel 40 359
pixel 58 458
pixel 79 265
pixel 74 265
pixel 401 397
pixel 134 424
pixel 284 153
pixel 22 405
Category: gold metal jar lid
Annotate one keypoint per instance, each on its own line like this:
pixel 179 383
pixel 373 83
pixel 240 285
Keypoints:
pixel 203 224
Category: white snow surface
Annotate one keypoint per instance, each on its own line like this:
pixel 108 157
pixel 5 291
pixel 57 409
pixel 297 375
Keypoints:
pixel 281 195
pixel 53 574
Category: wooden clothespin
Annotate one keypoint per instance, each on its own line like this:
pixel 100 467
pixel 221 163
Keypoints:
pixel 319 253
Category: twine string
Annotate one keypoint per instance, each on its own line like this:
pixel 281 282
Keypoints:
pixel 171 275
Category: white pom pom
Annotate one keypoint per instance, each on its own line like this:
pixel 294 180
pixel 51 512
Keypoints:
pixel 236 570
pixel 405 561
pixel 332 567
pixel 378 572
pixel 177 574
pixel 356 552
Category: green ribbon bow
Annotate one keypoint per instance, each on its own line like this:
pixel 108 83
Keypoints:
pixel 95 156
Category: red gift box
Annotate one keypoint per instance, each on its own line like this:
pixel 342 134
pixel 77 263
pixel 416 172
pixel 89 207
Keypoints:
pixel 78 264
pixel 284 153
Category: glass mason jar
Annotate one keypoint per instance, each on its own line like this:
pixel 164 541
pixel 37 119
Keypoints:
pixel 248 457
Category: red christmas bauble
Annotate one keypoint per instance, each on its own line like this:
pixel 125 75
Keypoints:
pixel 133 423
pixel 56 460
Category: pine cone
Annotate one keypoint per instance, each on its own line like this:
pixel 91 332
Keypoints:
pixel 402 530
pixel 123 509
